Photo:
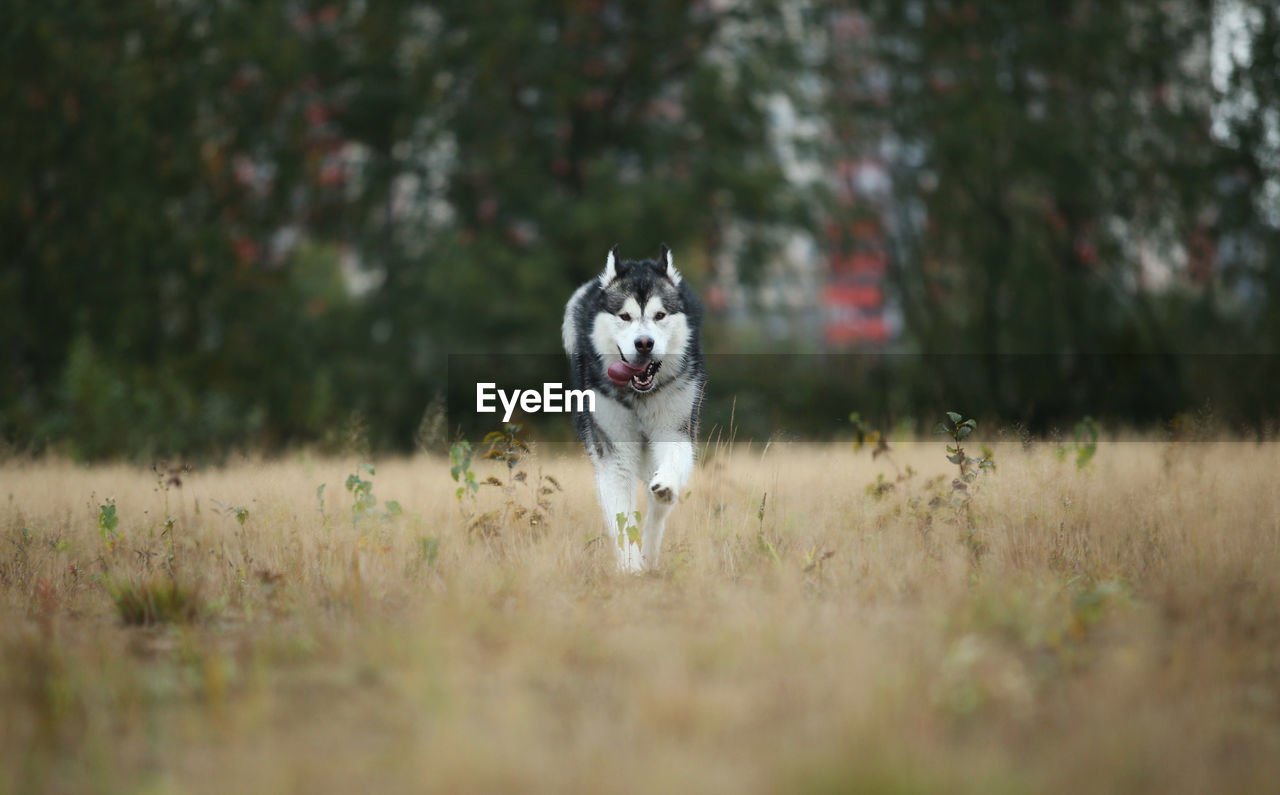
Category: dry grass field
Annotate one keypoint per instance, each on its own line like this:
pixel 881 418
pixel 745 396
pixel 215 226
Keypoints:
pixel 1114 628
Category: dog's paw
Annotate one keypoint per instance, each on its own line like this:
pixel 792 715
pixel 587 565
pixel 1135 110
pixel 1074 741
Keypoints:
pixel 662 490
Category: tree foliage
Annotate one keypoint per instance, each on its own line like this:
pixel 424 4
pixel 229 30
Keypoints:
pixel 1052 162
pixel 231 223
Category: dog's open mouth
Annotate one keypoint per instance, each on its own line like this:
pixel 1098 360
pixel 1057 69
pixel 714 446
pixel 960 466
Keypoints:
pixel 643 381
pixel 639 377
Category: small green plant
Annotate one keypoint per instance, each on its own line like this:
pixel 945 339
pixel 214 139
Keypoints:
pixel 460 471
pixel 879 487
pixel 506 445
pixel 525 499
pixel 959 429
pixel 628 531
pixel 363 500
pixel 108 521
pixel 764 545
pixel 238 512
pixel 1086 433
pixel 361 491
pixel 864 434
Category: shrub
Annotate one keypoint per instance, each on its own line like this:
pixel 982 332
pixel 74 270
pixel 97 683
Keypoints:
pixel 160 601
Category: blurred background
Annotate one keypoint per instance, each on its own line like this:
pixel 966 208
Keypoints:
pixel 253 226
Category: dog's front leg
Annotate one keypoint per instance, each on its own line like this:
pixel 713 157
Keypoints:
pixel 616 475
pixel 672 465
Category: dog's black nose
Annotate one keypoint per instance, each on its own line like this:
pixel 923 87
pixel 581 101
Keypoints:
pixel 644 344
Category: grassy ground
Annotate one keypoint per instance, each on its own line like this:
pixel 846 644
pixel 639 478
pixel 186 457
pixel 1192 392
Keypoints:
pixel 1115 628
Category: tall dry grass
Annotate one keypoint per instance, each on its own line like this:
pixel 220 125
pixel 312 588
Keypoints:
pixel 1115 628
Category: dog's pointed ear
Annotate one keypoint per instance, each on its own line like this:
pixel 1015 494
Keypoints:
pixel 669 268
pixel 610 267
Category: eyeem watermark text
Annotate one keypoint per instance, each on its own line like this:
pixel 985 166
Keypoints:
pixel 553 399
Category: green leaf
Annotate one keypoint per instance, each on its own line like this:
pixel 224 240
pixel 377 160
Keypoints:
pixel 954 417
pixel 107 518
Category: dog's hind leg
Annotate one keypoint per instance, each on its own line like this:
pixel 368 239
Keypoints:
pixel 616 475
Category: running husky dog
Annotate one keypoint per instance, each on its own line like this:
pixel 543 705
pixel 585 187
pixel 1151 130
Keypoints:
pixel 632 335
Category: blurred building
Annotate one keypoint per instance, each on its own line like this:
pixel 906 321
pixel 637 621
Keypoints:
pixel 829 292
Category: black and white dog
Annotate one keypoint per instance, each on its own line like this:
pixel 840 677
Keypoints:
pixel 633 336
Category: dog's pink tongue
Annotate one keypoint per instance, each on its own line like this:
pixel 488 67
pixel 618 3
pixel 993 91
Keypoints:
pixel 620 372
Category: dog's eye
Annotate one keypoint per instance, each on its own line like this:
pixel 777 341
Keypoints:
pixel 625 317
pixel 660 316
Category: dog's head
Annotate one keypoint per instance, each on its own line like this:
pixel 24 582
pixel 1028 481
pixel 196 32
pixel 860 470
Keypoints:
pixel 644 324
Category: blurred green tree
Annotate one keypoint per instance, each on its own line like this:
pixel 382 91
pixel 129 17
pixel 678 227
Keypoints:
pixel 1050 159
pixel 230 223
